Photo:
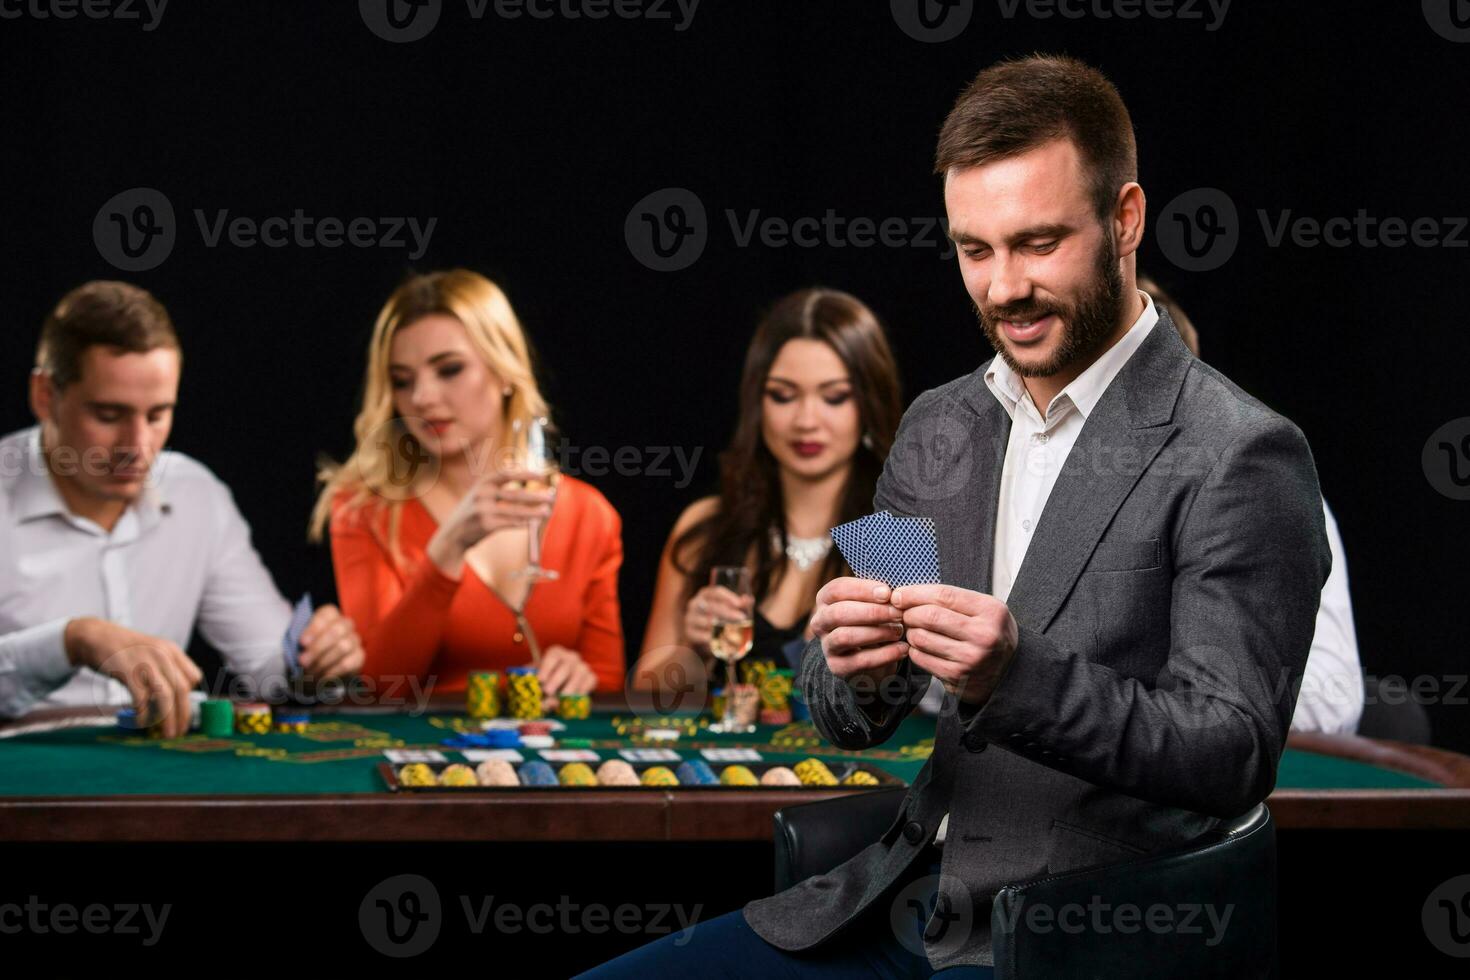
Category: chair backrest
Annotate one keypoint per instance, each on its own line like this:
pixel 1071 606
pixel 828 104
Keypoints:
pixel 1205 909
pixel 814 838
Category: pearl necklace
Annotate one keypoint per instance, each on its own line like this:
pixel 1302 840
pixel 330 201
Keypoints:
pixel 805 552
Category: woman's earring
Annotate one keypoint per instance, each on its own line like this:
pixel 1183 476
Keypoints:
pixel 508 390
pixel 868 441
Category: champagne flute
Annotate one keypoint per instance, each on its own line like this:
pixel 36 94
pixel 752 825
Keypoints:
pixel 730 640
pixel 535 452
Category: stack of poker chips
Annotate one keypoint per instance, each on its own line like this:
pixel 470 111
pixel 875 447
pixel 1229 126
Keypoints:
pixel 738 776
pixel 659 776
pixel 291 722
pixel 253 718
pixel 775 690
pixel 814 772
pixel 860 777
pixel 538 773
pixel 696 772
pixel 417 774
pixel 482 695
pixel 127 720
pixel 577 774
pixel 574 707
pixel 458 774
pixel 217 718
pixel 754 671
pixel 523 691
pixel 747 703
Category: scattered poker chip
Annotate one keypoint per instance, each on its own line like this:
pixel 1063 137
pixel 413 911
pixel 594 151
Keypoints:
pixel 814 772
pixel 738 776
pixel 497 772
pixel 291 723
pixel 779 776
pixel 458 774
pixel 535 728
pixel 417 774
pixel 577 774
pixel 659 776
pixel 537 741
pixel 661 734
pixel 127 719
pixel 616 772
pixel 217 718
pixel 577 743
pixel 538 774
pixel 860 777
pixel 483 740
pixel 696 772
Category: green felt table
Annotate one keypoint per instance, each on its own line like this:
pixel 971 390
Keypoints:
pixel 100 783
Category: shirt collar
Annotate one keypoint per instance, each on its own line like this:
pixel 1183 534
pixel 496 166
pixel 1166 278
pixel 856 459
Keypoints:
pixel 1087 388
pixel 34 494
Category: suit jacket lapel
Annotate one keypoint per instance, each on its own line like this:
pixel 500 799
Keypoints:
pixel 1132 416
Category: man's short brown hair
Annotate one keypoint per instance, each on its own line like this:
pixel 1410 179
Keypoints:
pixel 1017 105
pixel 105 313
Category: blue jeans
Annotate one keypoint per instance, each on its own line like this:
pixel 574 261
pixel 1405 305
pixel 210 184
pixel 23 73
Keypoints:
pixel 727 947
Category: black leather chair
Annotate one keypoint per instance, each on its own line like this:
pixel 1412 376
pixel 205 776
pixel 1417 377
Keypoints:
pixel 1230 868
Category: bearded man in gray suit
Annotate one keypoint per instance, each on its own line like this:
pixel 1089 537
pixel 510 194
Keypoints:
pixel 1132 551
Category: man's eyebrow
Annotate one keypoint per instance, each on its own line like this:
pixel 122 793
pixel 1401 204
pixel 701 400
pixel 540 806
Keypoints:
pixel 1054 229
pixel 120 407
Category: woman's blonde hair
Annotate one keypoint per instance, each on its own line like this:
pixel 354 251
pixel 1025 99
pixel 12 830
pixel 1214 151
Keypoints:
pixel 385 447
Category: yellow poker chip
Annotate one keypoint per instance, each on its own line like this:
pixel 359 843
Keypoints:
pixel 457 774
pixel 860 777
pixel 814 772
pixel 738 776
pixel 417 774
pixel 659 776
pixel 576 774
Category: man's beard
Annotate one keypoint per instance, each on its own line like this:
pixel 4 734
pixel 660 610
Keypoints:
pixel 1085 325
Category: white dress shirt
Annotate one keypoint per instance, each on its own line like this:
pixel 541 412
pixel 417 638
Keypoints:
pixel 180 554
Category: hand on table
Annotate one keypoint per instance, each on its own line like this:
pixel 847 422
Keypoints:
pixel 563 671
pixel 157 673
pixel 330 646
pixel 964 638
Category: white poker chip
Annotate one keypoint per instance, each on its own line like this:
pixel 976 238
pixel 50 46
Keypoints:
pixel 537 741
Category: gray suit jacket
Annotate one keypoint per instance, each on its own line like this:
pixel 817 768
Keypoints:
pixel 1166 606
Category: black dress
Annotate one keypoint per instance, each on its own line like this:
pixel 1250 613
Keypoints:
pixel 776 645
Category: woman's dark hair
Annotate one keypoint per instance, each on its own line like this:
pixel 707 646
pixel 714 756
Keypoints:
pixel 751 502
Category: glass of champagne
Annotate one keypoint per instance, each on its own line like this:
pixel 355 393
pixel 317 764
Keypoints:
pixel 535 452
pixel 730 640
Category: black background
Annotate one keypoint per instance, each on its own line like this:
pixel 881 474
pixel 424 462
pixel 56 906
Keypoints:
pixel 530 140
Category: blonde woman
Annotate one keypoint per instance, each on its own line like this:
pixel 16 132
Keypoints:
pixel 430 526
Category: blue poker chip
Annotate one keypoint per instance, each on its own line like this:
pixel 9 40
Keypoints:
pixel 537 773
pixel 494 739
pixel 128 718
pixel 518 671
pixel 696 772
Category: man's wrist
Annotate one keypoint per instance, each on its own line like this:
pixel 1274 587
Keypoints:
pixel 75 639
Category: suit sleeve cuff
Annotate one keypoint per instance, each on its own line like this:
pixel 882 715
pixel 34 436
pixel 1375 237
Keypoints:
pixel 1019 711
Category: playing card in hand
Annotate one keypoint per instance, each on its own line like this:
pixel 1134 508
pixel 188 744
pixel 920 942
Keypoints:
pixel 291 643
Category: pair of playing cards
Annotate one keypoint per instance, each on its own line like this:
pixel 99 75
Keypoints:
pixel 893 550
pixel 291 642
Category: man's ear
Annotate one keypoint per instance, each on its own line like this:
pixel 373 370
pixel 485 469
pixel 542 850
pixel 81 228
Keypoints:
pixel 1129 213
pixel 43 395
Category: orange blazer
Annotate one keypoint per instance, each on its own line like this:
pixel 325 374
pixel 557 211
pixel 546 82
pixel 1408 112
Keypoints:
pixel 416 621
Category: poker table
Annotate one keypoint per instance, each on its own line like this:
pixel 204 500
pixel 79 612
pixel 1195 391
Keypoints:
pixel 89 781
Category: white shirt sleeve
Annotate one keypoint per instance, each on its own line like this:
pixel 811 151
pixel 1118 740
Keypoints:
pixel 1331 698
pixel 240 612
pixel 33 663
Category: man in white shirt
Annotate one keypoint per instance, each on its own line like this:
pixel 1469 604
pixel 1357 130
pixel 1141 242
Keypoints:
pixel 112 550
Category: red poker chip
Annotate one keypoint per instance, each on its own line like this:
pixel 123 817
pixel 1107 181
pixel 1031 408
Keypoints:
pixel 535 728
